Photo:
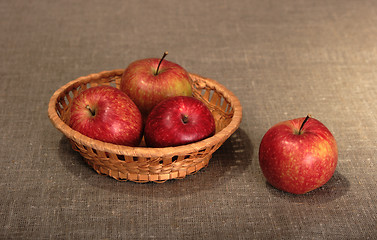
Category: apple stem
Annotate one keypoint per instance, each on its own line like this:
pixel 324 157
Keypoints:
pixel 302 125
pixel 91 110
pixel 184 118
pixel 158 67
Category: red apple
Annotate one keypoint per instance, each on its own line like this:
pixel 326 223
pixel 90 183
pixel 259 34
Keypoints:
pixel 149 81
pixel 298 155
pixel 177 121
pixel 105 113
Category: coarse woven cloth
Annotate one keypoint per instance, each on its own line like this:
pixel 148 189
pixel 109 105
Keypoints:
pixel 282 59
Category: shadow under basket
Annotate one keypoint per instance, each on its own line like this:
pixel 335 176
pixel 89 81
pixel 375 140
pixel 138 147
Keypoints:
pixel 145 164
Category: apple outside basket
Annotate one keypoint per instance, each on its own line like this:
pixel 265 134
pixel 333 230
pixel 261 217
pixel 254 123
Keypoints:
pixel 145 164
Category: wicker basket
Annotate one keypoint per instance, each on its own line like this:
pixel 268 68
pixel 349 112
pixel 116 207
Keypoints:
pixel 144 164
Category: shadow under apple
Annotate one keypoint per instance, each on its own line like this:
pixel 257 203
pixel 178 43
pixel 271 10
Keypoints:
pixel 337 186
pixel 230 160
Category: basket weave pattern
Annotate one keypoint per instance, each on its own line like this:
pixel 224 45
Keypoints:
pixel 144 164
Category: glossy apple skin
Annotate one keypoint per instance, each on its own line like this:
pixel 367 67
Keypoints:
pixel 298 163
pixel 165 126
pixel 146 89
pixel 116 119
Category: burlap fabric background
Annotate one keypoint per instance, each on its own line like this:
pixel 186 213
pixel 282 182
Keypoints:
pixel 283 59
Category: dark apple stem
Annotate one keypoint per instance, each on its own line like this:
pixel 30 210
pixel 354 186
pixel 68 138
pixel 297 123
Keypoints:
pixel 184 119
pixel 302 125
pixel 158 67
pixel 91 110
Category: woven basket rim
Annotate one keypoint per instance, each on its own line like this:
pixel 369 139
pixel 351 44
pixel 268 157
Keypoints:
pixel 143 151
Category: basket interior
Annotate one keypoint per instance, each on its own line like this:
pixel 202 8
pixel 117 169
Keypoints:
pixel 220 107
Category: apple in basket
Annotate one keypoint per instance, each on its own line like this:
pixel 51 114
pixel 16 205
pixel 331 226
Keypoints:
pixel 105 113
pixel 178 120
pixel 298 155
pixel 148 81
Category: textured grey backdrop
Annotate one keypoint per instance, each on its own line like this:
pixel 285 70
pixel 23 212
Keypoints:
pixel 283 59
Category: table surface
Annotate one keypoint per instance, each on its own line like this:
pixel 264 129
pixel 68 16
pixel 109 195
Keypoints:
pixel 282 59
